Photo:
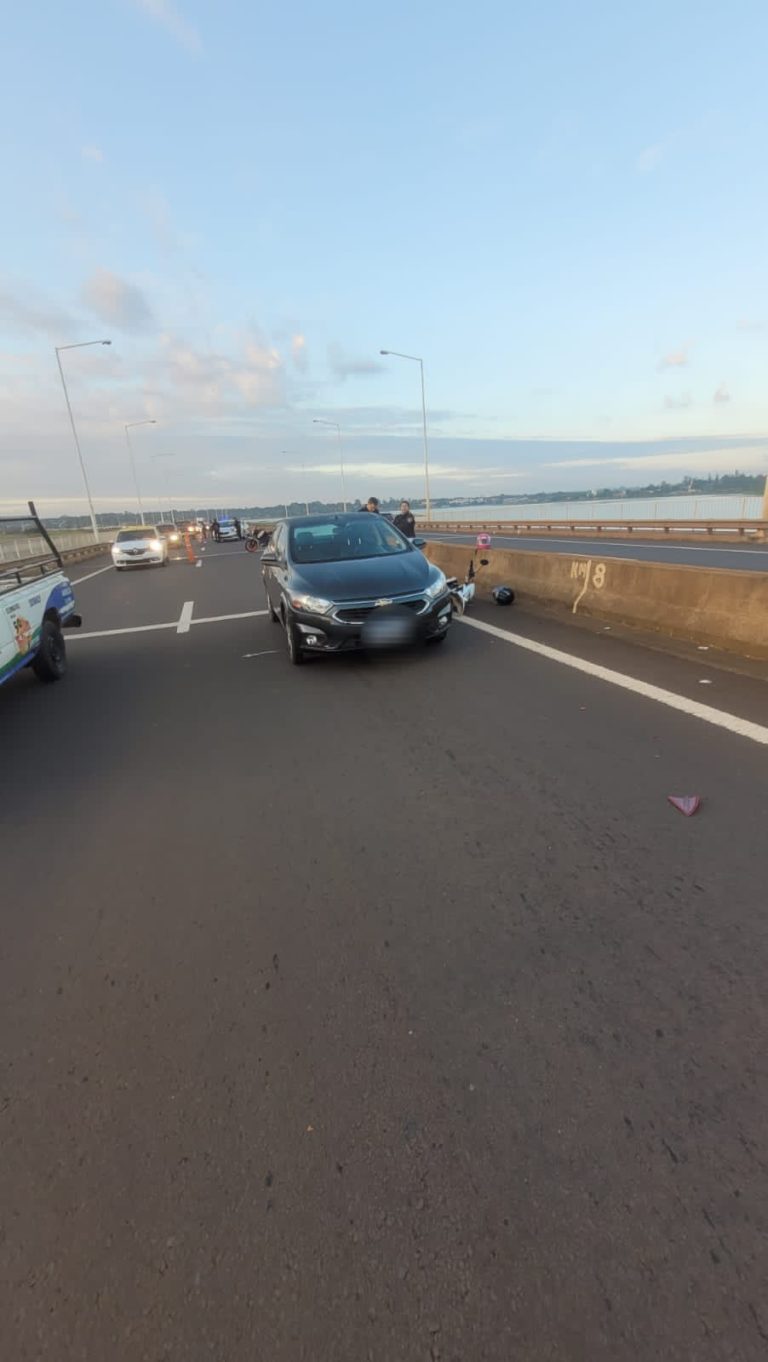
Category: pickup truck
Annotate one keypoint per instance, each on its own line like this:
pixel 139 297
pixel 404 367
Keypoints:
pixel 36 600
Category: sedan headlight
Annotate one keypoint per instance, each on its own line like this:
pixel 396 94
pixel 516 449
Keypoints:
pixel 155 545
pixel 313 605
pixel 438 586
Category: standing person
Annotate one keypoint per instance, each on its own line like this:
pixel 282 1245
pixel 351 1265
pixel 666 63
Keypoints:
pixel 405 520
pixel 372 505
pixel 238 529
pixel 215 530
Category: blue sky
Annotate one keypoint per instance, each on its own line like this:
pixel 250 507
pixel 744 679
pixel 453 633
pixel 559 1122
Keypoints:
pixel 563 209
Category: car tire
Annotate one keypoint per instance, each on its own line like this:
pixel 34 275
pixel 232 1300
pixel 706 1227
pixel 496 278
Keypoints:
pixel 50 660
pixel 118 568
pixel 295 654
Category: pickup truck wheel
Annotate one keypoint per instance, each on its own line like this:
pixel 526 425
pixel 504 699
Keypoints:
pixel 50 660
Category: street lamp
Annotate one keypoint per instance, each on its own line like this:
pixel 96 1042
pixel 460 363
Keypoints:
pixel 79 345
pixel 129 426
pixel 420 362
pixel 287 454
pixel 319 421
pixel 170 455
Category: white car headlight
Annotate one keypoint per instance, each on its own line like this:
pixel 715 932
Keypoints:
pixel 155 545
pixel 438 586
pixel 313 605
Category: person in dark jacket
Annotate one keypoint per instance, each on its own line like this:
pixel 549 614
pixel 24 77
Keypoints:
pixel 372 505
pixel 405 520
pixel 238 528
pixel 215 531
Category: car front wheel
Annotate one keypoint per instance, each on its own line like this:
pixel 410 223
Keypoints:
pixel 295 654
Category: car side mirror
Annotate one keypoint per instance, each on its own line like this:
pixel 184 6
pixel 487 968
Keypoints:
pixel 269 556
pixel 419 543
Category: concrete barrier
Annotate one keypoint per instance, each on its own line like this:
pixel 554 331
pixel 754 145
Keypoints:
pixel 723 608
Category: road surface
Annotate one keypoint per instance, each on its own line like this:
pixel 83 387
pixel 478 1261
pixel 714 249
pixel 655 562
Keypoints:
pixel 378 1009
pixel 746 557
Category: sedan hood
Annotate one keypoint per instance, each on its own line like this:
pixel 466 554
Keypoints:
pixel 361 579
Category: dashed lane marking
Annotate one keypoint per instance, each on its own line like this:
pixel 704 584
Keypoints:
pixel 185 618
pixel 172 624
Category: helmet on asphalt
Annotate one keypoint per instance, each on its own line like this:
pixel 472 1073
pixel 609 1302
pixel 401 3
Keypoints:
pixel 503 595
pixel 483 541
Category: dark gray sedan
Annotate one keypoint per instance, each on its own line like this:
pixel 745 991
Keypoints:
pixel 351 580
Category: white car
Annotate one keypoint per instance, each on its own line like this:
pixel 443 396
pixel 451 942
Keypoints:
pixel 228 529
pixel 139 545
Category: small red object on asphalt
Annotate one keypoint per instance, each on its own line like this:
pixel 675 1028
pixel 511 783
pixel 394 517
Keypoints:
pixel 687 804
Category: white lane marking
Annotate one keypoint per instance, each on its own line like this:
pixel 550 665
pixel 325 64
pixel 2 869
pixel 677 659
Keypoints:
pixel 173 624
pixel 719 718
pixel 522 539
pixel 185 618
pixel 77 580
pixel 110 633
pixel 268 652
pixel 216 619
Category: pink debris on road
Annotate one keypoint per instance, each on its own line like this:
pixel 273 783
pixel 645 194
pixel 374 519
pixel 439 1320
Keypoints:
pixel 687 804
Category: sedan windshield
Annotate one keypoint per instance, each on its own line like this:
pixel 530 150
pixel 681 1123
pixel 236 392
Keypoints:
pixel 123 535
pixel 338 540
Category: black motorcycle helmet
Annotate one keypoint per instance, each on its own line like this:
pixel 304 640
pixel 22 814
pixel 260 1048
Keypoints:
pixel 503 595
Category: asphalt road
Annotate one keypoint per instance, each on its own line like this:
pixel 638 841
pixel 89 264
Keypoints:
pixel 747 557
pixel 379 1009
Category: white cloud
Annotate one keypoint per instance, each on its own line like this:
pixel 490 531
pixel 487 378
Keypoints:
pixel 721 459
pixel 749 324
pixel 299 351
pixel 22 309
pixel 721 394
pixel 164 13
pixel 676 359
pixel 92 154
pixel 117 301
pixel 678 402
pixel 345 366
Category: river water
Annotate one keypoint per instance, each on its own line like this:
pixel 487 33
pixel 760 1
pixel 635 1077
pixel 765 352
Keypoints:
pixel 631 508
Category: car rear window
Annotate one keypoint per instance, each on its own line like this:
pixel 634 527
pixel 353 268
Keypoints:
pixel 336 541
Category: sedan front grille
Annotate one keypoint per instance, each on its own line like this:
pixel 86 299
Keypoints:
pixel 357 613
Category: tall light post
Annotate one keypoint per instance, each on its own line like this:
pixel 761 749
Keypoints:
pixel 79 345
pixel 417 360
pixel 287 454
pixel 129 426
pixel 319 421
pixel 154 458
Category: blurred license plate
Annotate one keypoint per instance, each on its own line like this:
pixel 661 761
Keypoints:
pixel 389 628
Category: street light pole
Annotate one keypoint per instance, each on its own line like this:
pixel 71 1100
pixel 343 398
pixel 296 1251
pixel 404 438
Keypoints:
pixel 79 346
pixel 128 427
pixel 319 421
pixel 167 455
pixel 420 362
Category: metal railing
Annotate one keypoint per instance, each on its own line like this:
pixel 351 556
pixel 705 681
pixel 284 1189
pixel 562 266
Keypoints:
pixel 745 530
pixel 15 547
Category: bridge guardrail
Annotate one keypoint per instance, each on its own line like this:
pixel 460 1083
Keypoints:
pixel 744 530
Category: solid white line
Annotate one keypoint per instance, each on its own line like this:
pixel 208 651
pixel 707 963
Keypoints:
pixel 608 544
pixel 731 722
pixel 110 633
pixel 77 580
pixel 185 618
pixel 216 619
